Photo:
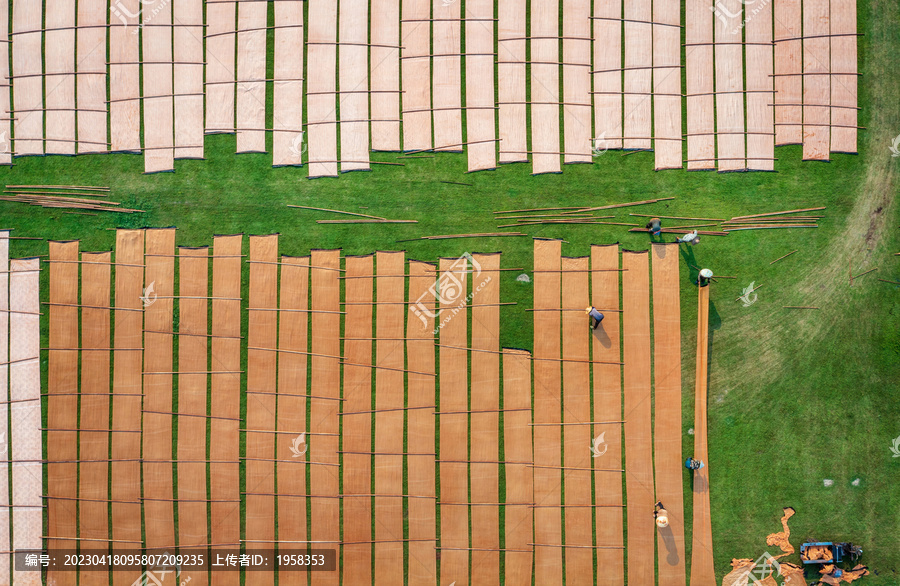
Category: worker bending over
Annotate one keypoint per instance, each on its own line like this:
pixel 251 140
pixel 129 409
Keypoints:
pixel 689 238
pixel 654 226
pixel 594 316
pixel 662 517
pixel 692 464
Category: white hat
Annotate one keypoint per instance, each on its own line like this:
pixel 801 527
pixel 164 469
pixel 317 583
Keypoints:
pixel 662 520
pixel 706 273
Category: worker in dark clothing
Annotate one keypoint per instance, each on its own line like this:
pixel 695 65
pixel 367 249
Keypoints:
pixel 704 277
pixel 594 316
pixel 654 226
pixel 661 515
pixel 692 464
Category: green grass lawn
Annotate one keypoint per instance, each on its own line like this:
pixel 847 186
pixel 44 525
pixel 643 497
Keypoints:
pixel 796 396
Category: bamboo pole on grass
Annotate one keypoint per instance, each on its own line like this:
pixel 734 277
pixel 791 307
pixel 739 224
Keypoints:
pixel 778 213
pixel 336 212
pixel 865 273
pixel 678 218
pixel 781 257
pixel 749 292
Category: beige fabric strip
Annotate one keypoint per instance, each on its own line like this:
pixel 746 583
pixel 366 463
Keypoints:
pixel 760 94
pixel 816 88
pixel 701 144
pixel 511 81
pixel 321 101
pixel 288 147
pixel 91 95
pixel 25 386
pixel 353 71
pixel 28 91
pixel 5 516
pixel 577 81
pixel 667 102
pixel 251 65
pixel 159 133
pixel 188 43
pixel 788 61
pixel 59 95
pixel 384 74
pixel 545 142
pixel 607 32
pixel 844 87
pixel 220 20
pixel 124 76
pixel 480 113
pixel 416 75
pixel 447 98
pixel 729 88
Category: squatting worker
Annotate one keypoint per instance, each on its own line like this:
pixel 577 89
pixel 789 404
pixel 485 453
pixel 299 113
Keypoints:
pixel 594 316
pixel 662 517
pixel 655 226
pixel 705 276
pixel 693 464
pixel 689 238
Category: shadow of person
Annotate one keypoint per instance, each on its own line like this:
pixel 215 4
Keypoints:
pixel 715 320
pixel 700 483
pixel 715 324
pixel 687 253
pixel 602 336
pixel 668 538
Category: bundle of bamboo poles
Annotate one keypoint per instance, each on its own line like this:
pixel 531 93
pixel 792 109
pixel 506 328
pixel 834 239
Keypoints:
pixel 774 220
pixel 60 196
pixel 566 215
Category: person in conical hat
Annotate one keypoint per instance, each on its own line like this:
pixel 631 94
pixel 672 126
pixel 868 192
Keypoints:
pixel 594 316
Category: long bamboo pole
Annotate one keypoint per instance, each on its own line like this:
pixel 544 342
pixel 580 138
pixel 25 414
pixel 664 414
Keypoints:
pixel 79 187
pixel 450 236
pixel 367 221
pixel 676 231
pixel 28 196
pixel 678 218
pixel 553 222
pixel 749 292
pixel 53 193
pixel 535 210
pixel 624 205
pixel 767 227
pixel 781 257
pixel 336 211
pixel 865 273
pixel 778 213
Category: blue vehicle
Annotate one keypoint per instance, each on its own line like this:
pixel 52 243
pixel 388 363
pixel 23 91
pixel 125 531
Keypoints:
pixel 828 552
